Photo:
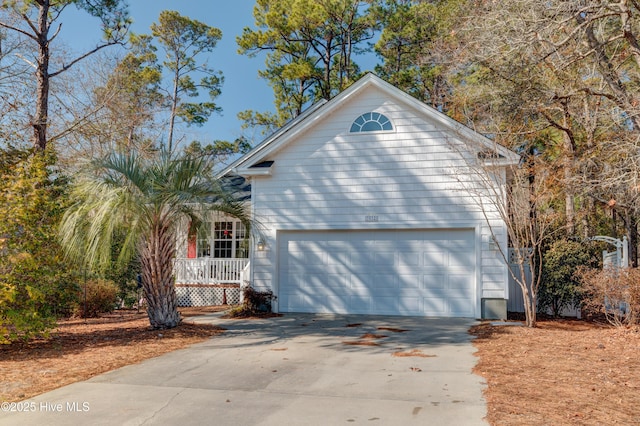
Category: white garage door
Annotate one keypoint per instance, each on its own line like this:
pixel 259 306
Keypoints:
pixel 426 273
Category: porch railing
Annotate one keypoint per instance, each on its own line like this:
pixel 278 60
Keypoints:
pixel 210 271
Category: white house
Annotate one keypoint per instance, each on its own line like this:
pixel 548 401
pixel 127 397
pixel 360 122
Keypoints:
pixel 372 203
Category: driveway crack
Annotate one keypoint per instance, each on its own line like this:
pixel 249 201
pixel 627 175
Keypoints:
pixel 156 412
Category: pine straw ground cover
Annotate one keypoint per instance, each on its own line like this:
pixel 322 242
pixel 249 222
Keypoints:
pixel 79 349
pixel 561 373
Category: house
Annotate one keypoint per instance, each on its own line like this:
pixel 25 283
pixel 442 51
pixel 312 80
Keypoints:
pixel 370 203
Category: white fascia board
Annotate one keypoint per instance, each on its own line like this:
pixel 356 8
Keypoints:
pixel 259 152
pixel 257 171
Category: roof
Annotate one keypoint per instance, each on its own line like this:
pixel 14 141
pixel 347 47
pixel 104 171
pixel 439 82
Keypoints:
pixel 237 185
pixel 253 163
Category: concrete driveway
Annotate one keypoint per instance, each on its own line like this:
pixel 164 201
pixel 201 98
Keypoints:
pixel 299 369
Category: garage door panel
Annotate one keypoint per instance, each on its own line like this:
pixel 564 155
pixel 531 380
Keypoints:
pixel 460 307
pixel 406 281
pixel 460 281
pixel 337 282
pixel 360 259
pixel 384 259
pixel 362 280
pixel 384 292
pixel 298 303
pixel 336 304
pixel 410 305
pixel 426 272
pixel 294 259
pixel 338 258
pixel 385 281
pixel 433 281
pixel 315 281
pixel 360 304
pixel 434 259
pixel 295 281
pixel 434 306
pixel 386 305
pixel 408 259
pixel 466 258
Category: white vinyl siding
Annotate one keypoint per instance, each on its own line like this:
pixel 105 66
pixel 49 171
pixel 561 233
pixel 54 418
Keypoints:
pixel 410 178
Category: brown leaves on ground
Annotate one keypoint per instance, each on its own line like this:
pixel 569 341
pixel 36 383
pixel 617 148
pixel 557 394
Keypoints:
pixel 359 343
pixel 79 349
pixel 393 329
pixel 561 373
pixel 373 336
pixel 412 352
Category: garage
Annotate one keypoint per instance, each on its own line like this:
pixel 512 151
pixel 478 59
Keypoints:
pixel 385 272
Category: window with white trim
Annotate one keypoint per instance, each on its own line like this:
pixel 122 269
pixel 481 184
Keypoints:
pixel 229 240
pixel 203 241
pixel 371 122
pixel 222 240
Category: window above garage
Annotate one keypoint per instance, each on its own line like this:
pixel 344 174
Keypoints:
pixel 371 122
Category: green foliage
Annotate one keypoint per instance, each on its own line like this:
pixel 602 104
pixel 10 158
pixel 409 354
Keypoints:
pixel 143 199
pixel 561 287
pixel 416 45
pixel 131 96
pixel 96 296
pixel 123 274
pixel 183 39
pixel 218 151
pixel 36 282
pixel 310 47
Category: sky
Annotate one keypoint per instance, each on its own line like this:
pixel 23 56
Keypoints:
pixel 242 88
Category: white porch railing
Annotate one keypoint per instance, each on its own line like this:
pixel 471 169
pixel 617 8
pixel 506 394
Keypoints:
pixel 210 271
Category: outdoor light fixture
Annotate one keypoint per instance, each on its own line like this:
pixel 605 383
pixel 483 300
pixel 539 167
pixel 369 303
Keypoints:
pixel 260 245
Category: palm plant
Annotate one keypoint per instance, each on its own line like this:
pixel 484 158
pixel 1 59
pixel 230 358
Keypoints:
pixel 148 198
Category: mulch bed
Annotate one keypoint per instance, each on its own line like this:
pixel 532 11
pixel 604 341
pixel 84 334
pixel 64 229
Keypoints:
pixel 564 372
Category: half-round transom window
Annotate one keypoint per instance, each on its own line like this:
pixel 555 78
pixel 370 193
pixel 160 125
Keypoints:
pixel 371 122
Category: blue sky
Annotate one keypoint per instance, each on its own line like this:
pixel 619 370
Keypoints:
pixel 242 89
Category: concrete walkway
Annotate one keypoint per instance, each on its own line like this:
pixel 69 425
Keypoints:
pixel 299 369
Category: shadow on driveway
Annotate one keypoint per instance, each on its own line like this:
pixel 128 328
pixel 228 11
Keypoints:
pixel 298 369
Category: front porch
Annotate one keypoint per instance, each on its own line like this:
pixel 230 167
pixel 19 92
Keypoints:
pixel 209 281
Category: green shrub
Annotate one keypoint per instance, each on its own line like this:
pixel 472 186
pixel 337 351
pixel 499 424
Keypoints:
pixel 560 286
pixel 37 284
pixel 100 297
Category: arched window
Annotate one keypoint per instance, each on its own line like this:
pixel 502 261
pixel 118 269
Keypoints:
pixel 371 122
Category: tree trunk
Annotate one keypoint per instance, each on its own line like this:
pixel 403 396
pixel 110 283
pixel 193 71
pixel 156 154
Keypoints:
pixel 157 277
pixel 41 117
pixel 567 165
pixel 174 108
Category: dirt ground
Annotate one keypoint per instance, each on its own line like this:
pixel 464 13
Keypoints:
pixel 79 349
pixel 564 372
pixel 561 373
